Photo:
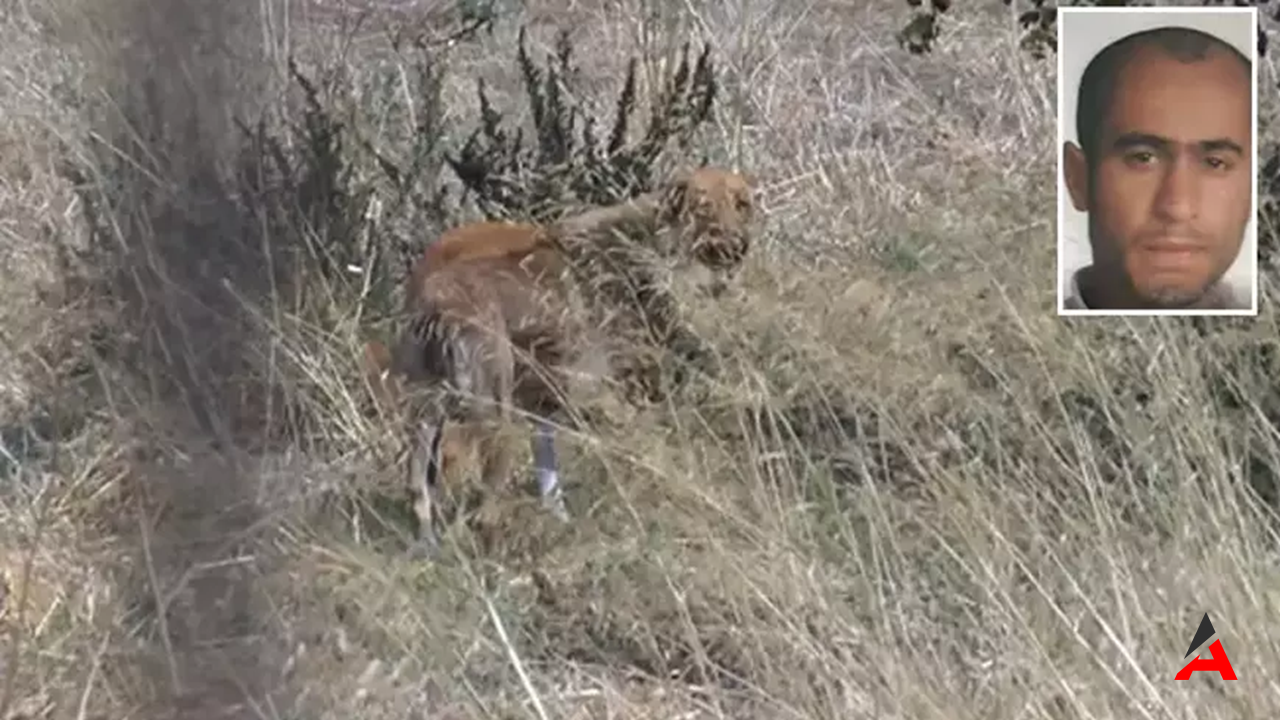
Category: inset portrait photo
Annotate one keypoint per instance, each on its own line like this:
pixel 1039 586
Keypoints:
pixel 1157 177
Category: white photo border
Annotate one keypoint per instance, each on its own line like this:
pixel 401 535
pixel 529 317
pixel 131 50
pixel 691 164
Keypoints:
pixel 1064 124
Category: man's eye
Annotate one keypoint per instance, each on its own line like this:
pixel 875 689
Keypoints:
pixel 1140 157
pixel 1218 163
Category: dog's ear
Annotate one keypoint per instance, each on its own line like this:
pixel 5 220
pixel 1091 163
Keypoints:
pixel 674 195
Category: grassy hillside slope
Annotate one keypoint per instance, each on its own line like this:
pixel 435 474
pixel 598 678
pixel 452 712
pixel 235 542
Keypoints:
pixel 912 492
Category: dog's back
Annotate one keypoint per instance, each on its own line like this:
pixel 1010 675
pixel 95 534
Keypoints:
pixel 480 240
pixel 483 263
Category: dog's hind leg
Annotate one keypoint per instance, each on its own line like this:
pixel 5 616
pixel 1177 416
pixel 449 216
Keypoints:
pixel 424 477
pixel 491 369
pixel 544 462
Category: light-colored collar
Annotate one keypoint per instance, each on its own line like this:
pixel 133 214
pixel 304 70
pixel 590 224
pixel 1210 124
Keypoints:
pixel 1219 297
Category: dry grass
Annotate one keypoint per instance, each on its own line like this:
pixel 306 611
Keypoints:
pixel 913 491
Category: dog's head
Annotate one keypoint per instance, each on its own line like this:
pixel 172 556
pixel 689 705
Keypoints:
pixel 711 210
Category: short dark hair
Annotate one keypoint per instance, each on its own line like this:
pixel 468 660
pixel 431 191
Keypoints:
pixel 1097 85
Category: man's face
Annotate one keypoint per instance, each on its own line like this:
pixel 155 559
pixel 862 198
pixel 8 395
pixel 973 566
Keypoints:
pixel 1169 194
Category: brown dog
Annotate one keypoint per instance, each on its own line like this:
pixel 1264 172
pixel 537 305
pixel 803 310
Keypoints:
pixel 503 316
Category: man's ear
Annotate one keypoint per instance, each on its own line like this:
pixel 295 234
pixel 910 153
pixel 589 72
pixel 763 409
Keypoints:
pixel 1075 173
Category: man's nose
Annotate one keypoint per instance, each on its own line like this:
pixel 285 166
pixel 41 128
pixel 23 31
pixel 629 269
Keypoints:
pixel 1176 200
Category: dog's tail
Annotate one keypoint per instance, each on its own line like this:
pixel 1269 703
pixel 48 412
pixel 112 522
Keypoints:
pixel 468 358
pixel 425 352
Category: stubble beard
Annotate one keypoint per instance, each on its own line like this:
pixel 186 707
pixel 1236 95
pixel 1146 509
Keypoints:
pixel 1158 298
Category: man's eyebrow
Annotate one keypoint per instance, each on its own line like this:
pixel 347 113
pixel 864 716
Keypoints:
pixel 1136 139
pixel 1219 145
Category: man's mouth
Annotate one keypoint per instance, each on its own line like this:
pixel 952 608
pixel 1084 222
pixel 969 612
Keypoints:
pixel 1167 246
pixel 1172 253
pixel 1174 245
